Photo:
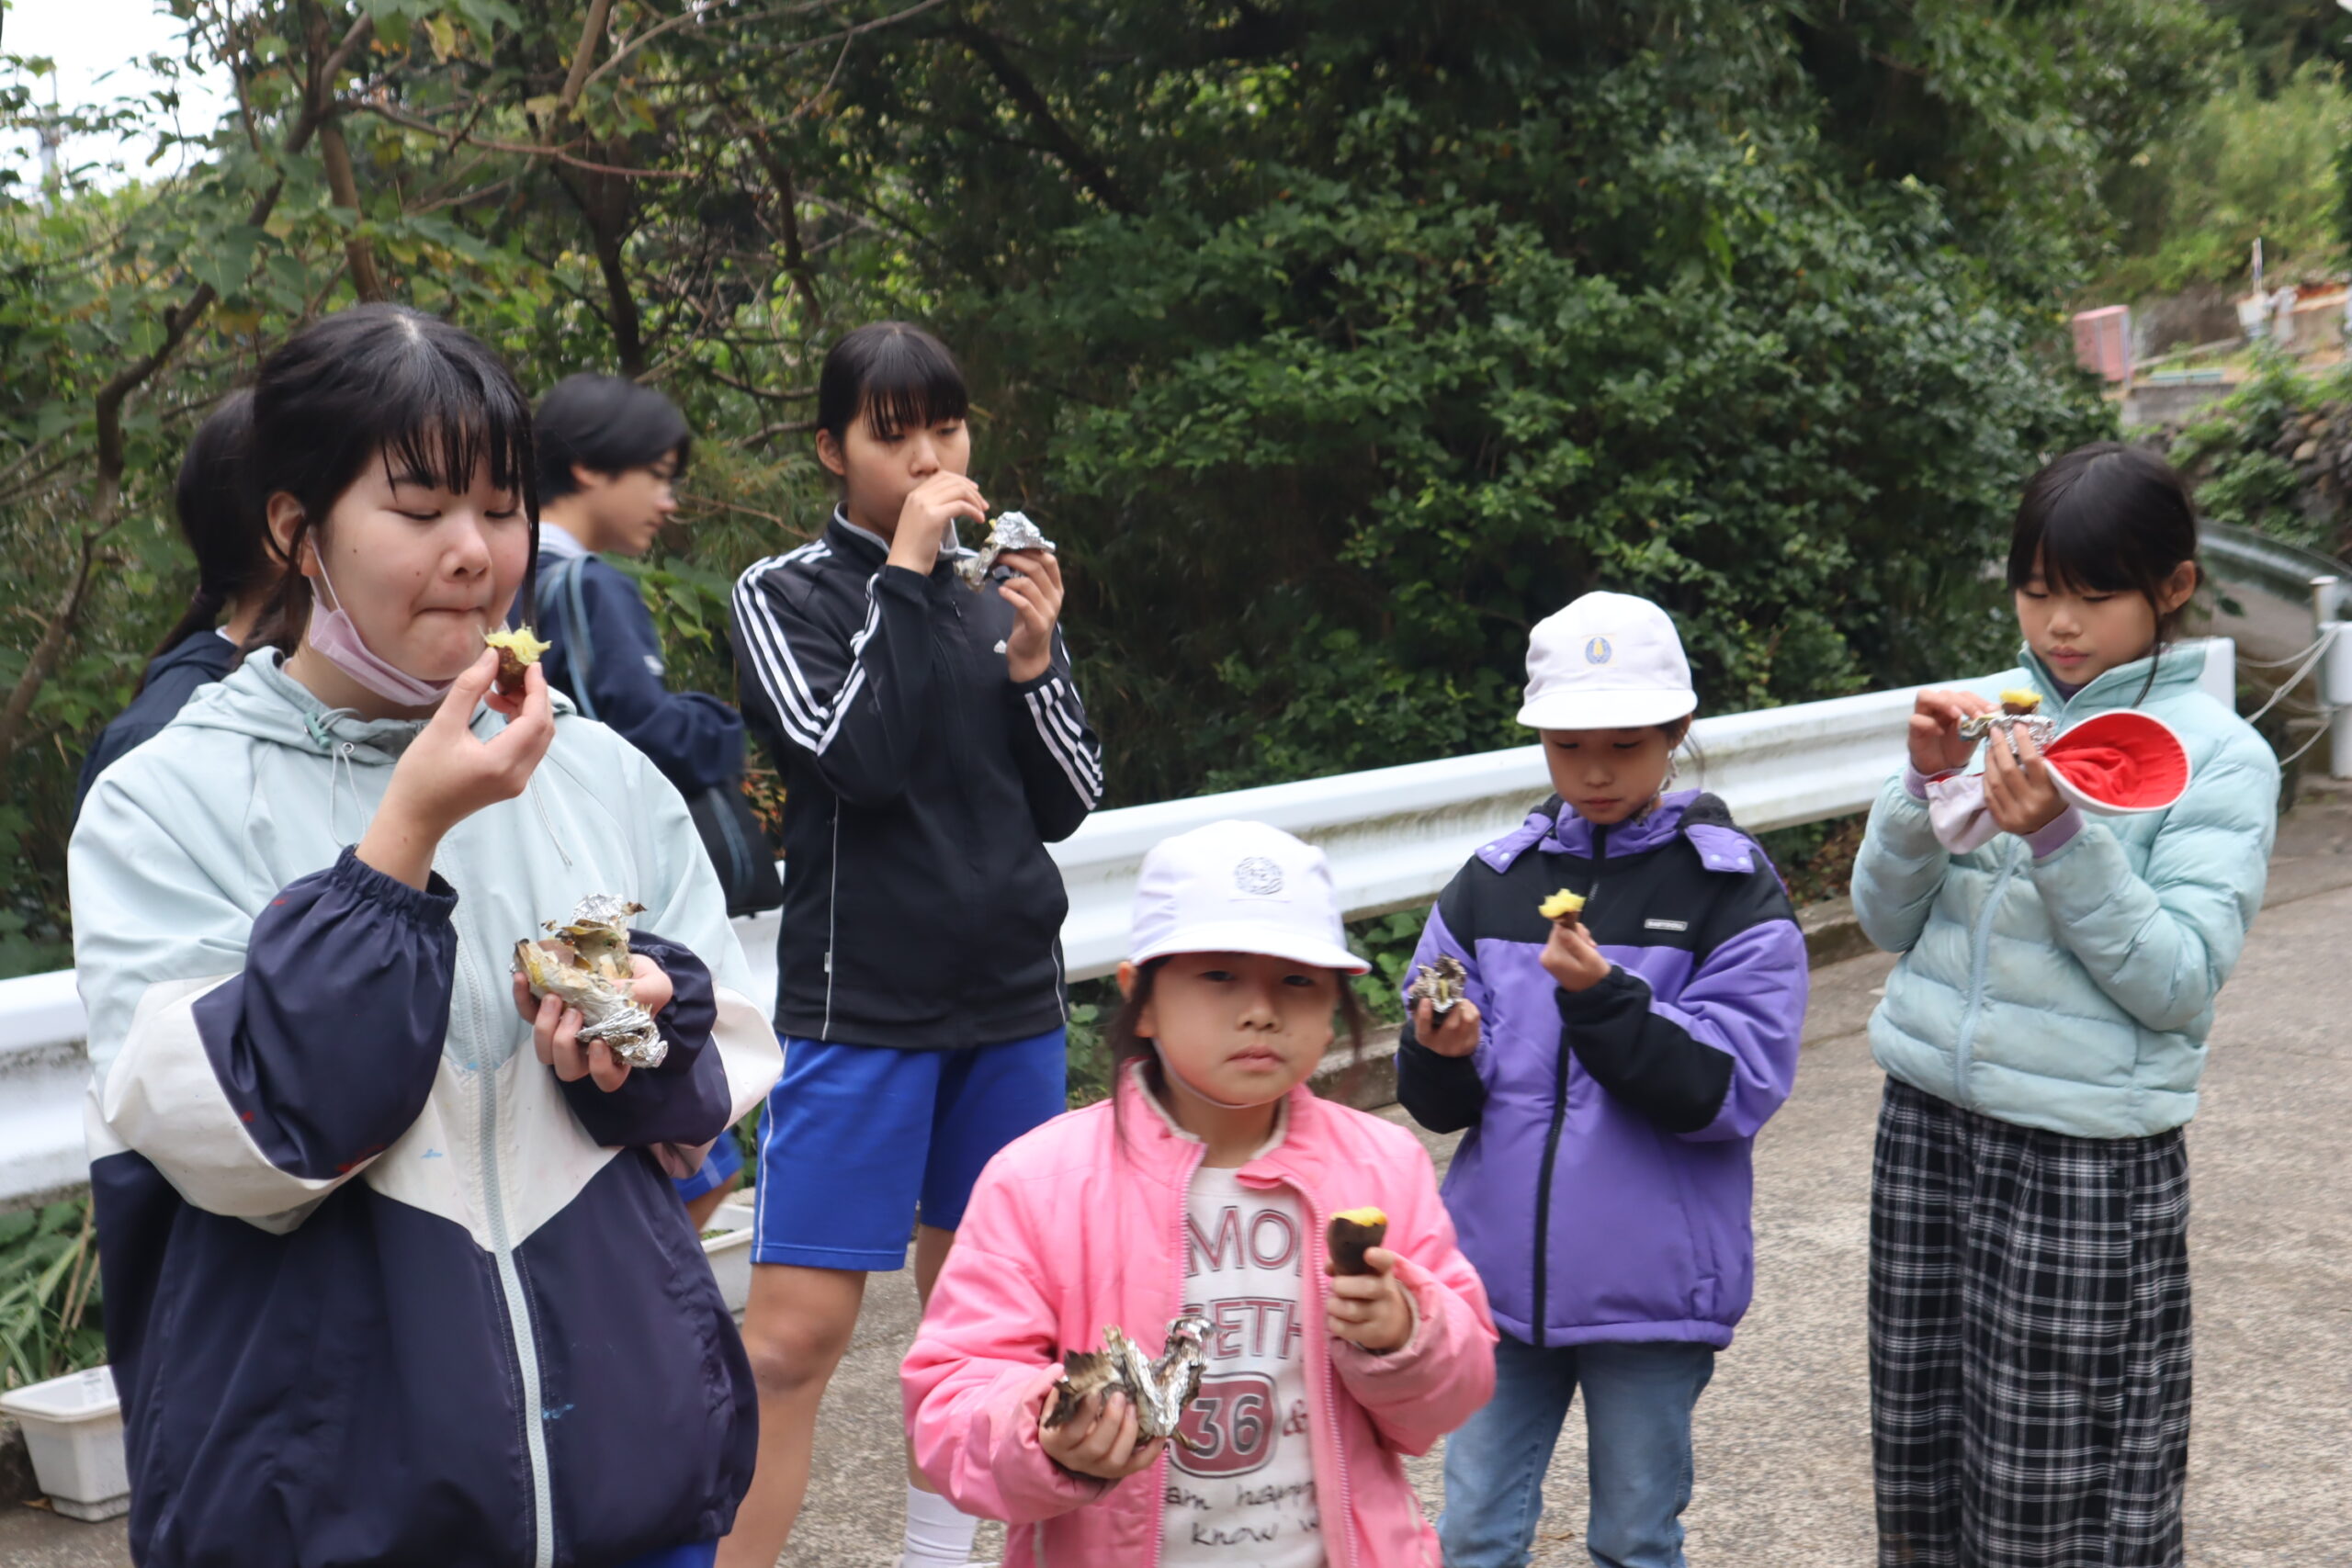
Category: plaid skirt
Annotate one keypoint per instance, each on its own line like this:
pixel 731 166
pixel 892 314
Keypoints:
pixel 2030 1342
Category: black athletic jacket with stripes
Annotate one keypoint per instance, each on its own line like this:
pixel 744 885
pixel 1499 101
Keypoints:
pixel 921 910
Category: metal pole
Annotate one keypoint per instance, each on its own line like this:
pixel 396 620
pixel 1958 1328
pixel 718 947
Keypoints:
pixel 2335 676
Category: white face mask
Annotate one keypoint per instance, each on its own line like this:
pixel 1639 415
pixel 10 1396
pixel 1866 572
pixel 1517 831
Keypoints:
pixel 337 640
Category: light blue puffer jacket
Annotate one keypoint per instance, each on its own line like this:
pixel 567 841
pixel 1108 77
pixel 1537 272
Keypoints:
pixel 2073 993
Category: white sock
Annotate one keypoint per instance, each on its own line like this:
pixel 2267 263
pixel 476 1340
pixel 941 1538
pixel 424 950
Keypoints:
pixel 938 1536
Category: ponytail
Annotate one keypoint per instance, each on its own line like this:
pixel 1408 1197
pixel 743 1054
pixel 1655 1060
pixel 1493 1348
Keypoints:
pixel 203 614
pixel 220 519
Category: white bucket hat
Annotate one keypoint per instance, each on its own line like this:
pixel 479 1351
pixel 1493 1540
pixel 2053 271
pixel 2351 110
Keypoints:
pixel 1608 661
pixel 1239 887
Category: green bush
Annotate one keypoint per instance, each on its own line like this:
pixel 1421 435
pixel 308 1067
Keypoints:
pixel 1327 445
pixel 51 1320
pixel 2244 164
pixel 2239 456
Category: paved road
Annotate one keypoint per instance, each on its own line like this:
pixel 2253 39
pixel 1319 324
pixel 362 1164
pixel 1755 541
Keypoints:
pixel 1783 1434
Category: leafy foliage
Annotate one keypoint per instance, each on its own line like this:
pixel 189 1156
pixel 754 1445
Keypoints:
pixel 2247 164
pixel 1337 342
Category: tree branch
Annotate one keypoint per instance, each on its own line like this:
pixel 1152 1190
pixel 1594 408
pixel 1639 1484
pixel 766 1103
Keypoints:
pixel 334 155
pixel 695 13
pixel 761 436
pixel 456 139
pixel 796 259
pixel 63 623
pixel 105 508
pixel 790 395
pixel 344 188
pixel 1088 170
pixel 591 29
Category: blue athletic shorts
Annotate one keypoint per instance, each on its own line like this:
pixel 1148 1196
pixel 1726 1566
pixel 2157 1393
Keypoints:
pixel 858 1138
pixel 722 1165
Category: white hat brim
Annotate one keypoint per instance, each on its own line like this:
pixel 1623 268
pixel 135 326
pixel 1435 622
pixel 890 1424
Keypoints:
pixel 1607 710
pixel 1262 937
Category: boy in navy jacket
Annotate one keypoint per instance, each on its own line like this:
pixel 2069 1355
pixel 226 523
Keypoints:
pixel 610 453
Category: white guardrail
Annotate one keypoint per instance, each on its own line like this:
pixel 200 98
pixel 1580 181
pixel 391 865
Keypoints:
pixel 1394 835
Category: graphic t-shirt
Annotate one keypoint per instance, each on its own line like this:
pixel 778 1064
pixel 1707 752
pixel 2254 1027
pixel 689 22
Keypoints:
pixel 1247 1495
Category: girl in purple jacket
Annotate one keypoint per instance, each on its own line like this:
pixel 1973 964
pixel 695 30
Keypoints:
pixel 1611 1072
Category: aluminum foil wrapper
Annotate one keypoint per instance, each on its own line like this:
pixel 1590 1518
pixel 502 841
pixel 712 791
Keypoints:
pixel 2042 728
pixel 586 968
pixel 1161 1389
pixel 1438 983
pixel 1013 531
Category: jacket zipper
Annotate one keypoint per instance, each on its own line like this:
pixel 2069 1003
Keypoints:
pixel 1980 952
pixel 510 1282
pixel 1552 1138
pixel 1332 1411
pixel 1159 1470
pixel 1979 958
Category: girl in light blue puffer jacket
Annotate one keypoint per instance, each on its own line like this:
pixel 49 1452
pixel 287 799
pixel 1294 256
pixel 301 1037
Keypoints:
pixel 2042 1038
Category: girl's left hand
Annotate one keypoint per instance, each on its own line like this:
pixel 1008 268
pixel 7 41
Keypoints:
pixel 1573 959
pixel 1370 1309
pixel 1034 591
pixel 2017 791
pixel 555 1028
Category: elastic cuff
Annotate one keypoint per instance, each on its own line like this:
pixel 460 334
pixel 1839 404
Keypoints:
pixel 1408 1043
pixel 1914 783
pixel 1037 683
pixel 2056 834
pixel 432 904
pixel 1609 993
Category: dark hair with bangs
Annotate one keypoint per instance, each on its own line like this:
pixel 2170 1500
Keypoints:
pixel 896 374
pixel 220 520
pixel 2108 518
pixel 606 425
pixel 380 383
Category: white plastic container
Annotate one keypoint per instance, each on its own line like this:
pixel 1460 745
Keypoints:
pixel 731 1254
pixel 73 1426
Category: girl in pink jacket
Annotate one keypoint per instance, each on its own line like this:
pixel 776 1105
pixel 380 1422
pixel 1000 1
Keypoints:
pixel 1204 1185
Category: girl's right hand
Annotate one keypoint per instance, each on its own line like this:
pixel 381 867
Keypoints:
pixel 1101 1444
pixel 1935 743
pixel 1455 1034
pixel 447 776
pixel 923 521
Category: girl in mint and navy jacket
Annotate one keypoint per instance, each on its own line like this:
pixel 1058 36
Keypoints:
pixel 2042 1038
pixel 394 1272
pixel 1612 1074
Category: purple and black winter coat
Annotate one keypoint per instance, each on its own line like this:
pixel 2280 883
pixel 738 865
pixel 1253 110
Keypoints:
pixel 1604 1186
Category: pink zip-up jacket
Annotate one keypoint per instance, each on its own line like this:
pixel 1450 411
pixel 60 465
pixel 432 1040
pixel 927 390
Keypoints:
pixel 1071 1229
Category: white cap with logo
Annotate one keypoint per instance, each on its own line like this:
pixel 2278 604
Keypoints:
pixel 1608 661
pixel 1239 887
